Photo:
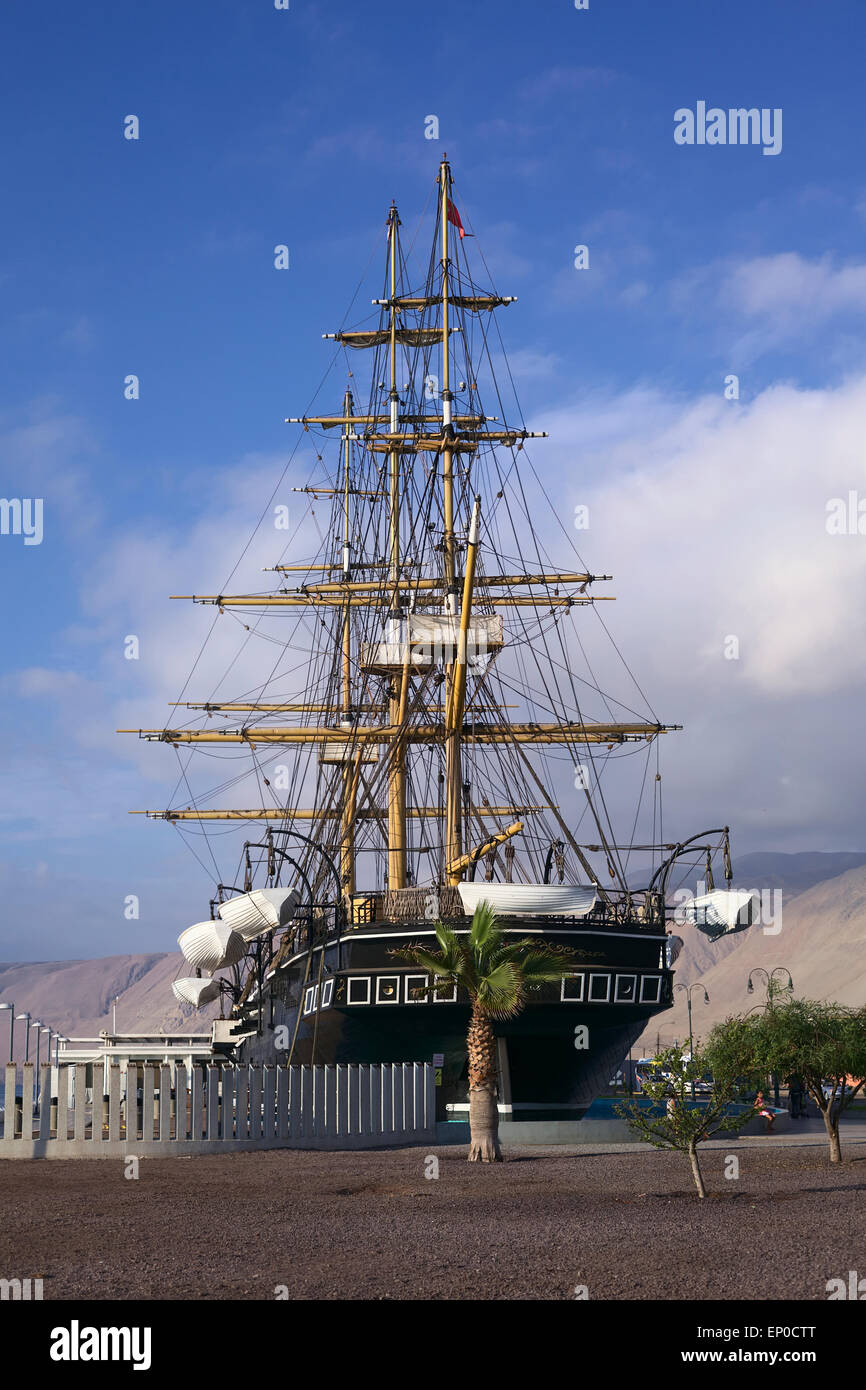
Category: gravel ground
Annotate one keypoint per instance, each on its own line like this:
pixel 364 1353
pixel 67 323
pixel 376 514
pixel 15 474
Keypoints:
pixel 373 1226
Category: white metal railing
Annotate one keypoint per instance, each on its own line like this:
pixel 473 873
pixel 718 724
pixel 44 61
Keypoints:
pixel 172 1109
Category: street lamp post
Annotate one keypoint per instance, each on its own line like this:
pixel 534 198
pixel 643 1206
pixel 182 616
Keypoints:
pixel 38 1027
pixel 772 990
pixel 688 992
pixel 26 1020
pixel 51 1033
pixel 11 1008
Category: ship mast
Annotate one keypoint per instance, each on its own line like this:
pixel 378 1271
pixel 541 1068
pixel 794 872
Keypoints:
pixel 453 760
pixel 349 769
pixel 397 692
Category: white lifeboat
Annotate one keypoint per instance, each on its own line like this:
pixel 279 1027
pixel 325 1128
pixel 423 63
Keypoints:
pixel 253 914
pixel 673 946
pixel 722 911
pixel 211 945
pixel 528 899
pixel 195 991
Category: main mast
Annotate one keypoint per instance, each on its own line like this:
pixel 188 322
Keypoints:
pixel 398 688
pixel 453 761
pixel 350 768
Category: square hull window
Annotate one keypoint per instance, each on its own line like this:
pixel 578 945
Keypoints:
pixel 388 989
pixel 599 989
pixel 651 989
pixel 415 984
pixel 358 991
pixel 449 996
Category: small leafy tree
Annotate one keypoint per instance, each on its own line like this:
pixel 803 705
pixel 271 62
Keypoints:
pixel 498 977
pixel 733 1051
pixel 674 1120
pixel 812 1039
pixel 818 1041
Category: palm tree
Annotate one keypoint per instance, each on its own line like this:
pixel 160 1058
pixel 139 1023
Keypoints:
pixel 498 978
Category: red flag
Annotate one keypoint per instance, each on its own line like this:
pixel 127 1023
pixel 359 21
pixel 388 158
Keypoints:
pixel 454 216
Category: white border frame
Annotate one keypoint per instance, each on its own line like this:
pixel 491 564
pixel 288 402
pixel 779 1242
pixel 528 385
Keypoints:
pixel 647 979
pixel 379 982
pixel 634 989
pixel 407 999
pixel 311 1000
pixel 446 999
pixel 576 975
pixel 358 980
pixel 327 998
pixel 599 975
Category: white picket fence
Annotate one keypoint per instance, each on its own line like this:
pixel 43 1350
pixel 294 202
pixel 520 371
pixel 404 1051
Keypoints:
pixel 217 1110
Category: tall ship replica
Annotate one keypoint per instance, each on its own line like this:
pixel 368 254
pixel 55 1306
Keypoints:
pixel 428 734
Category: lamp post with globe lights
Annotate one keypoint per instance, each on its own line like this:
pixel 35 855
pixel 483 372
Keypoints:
pixel 688 991
pixel 784 986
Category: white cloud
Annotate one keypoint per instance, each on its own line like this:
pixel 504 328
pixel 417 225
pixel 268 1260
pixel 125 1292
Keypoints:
pixel 789 284
pixel 711 516
pixel 773 301
pixel 730 499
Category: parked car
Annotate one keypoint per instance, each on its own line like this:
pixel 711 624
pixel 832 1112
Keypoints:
pixel 646 1067
pixel 828 1087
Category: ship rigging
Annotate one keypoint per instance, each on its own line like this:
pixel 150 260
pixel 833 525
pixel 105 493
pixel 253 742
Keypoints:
pixel 432 714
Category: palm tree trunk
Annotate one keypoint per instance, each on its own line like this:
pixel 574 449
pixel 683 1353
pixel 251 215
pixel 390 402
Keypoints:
pixel 483 1109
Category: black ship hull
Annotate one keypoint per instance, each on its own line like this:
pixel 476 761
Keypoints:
pixel 351 1001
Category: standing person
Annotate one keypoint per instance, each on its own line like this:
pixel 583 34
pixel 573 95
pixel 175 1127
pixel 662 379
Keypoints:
pixel 795 1097
pixel 804 1099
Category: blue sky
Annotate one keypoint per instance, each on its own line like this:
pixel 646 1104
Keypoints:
pixel 260 127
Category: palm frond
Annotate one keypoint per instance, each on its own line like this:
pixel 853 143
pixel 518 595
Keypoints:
pixel 499 991
pixel 483 924
pixel 540 967
pixel 431 961
pixel 454 962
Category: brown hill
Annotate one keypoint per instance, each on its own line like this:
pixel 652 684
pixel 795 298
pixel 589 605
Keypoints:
pixel 822 943
pixel 76 996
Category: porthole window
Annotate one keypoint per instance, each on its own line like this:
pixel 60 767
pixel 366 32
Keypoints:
pixel 599 989
pixel 358 991
pixel 572 989
pixel 388 989
pixel 651 989
pixel 449 995
pixel 415 984
pixel 626 989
